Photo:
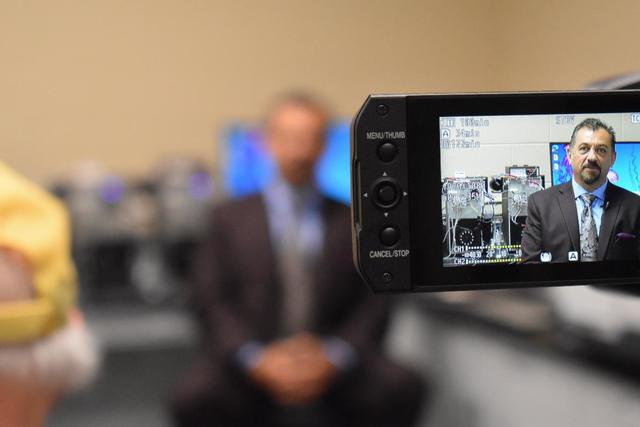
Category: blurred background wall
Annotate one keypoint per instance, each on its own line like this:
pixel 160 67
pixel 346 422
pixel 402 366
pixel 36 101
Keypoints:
pixel 130 82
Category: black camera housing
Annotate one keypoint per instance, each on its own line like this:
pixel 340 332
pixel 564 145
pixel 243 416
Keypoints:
pixel 399 233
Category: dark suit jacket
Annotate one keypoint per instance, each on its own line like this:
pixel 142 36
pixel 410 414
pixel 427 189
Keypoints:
pixel 238 291
pixel 552 225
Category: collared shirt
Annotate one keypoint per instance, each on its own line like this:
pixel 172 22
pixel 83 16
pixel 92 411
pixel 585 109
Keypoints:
pixel 283 201
pixel 597 208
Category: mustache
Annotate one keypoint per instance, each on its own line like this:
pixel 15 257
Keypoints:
pixel 591 164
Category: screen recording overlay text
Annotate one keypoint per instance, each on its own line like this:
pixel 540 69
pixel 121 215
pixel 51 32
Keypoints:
pixel 490 165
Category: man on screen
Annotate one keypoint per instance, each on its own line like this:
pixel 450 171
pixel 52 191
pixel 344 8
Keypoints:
pixel 589 218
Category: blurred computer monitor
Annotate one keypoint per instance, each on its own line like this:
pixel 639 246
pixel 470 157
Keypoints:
pixel 247 166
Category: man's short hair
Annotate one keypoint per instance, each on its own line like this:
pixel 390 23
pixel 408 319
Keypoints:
pixel 594 124
pixel 298 98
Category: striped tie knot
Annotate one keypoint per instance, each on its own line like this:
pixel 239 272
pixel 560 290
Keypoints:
pixel 588 199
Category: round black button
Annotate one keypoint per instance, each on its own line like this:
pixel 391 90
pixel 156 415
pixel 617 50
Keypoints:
pixel 387 194
pixel 389 236
pixel 387 151
pixel 382 109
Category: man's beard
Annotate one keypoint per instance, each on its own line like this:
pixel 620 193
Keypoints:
pixel 591 175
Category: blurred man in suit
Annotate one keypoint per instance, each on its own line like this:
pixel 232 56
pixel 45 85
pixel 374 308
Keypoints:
pixel 589 218
pixel 45 349
pixel 292 334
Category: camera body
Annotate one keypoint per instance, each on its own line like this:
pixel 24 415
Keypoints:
pixel 441 187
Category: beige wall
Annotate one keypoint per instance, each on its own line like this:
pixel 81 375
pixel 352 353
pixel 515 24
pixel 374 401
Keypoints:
pixel 128 82
pixel 555 44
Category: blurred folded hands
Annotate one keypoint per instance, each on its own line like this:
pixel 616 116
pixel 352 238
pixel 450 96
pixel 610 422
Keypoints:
pixel 295 370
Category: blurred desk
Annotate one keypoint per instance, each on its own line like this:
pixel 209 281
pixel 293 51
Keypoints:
pixel 491 368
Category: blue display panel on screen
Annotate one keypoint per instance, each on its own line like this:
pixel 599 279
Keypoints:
pixel 248 167
pixel 625 172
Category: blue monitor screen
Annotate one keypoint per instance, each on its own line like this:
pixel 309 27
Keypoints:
pixel 625 172
pixel 248 166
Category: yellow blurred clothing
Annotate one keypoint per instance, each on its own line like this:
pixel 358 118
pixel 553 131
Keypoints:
pixel 35 224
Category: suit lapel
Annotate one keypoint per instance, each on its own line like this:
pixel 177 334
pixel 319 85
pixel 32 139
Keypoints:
pixel 567 204
pixel 609 216
pixel 262 241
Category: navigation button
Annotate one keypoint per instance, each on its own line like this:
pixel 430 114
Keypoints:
pixel 386 194
pixel 389 236
pixel 387 151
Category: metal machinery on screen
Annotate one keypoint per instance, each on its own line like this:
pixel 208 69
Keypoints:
pixel 484 219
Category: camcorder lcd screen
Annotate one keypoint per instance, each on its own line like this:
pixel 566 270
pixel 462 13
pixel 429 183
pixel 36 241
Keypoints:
pixel 491 165
pixel 510 178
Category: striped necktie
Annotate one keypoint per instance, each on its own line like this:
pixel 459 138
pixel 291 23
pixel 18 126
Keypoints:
pixel 588 232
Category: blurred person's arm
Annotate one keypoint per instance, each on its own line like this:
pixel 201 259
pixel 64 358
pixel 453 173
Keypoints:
pixel 362 328
pixel 217 295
